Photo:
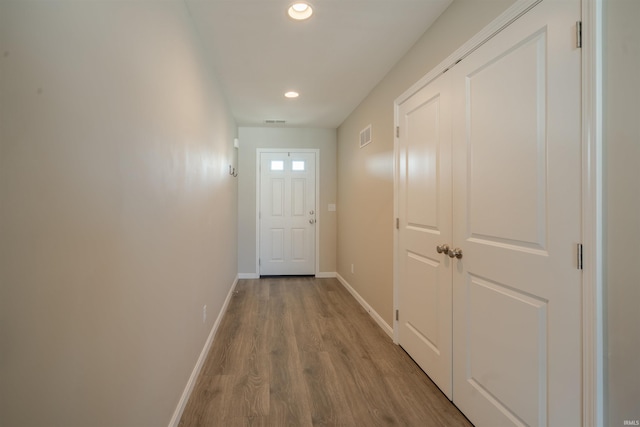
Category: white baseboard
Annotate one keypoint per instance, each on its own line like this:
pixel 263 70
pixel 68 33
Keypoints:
pixel 326 275
pixel 320 275
pixel 175 420
pixel 379 320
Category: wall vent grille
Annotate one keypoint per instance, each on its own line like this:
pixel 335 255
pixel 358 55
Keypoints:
pixel 365 136
pixel 275 122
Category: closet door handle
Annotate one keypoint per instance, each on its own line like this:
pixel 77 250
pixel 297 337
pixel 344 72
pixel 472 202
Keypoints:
pixel 442 249
pixel 455 253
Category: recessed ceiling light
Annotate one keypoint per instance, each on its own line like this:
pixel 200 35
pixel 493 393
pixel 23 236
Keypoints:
pixel 300 11
pixel 292 94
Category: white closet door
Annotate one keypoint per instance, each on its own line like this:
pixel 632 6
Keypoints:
pixel 424 199
pixel 517 289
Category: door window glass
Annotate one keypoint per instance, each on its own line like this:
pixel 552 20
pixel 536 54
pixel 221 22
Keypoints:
pixel 277 165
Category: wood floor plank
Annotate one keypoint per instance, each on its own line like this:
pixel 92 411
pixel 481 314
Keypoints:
pixel 361 378
pixel 237 330
pixel 301 301
pixel 289 400
pixel 328 400
pixel 212 403
pixel 244 357
pixel 303 352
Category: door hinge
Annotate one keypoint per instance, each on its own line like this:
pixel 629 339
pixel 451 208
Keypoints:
pixel 579 258
pixel 579 34
pixel 397 223
pixel 259 262
pixel 397 131
pixel 397 315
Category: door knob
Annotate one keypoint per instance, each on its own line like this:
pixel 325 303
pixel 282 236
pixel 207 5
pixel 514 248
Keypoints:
pixel 311 212
pixel 443 249
pixel 312 221
pixel 455 253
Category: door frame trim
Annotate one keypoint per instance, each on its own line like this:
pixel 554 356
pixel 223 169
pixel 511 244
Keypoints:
pixel 592 189
pixel 592 214
pixel 315 151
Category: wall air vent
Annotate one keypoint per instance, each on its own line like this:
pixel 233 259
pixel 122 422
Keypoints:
pixel 365 136
pixel 275 122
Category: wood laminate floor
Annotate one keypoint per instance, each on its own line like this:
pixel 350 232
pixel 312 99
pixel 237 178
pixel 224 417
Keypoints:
pixel 303 352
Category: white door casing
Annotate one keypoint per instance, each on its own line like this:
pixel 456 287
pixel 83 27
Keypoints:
pixel 516 218
pixel 424 199
pixel 287 213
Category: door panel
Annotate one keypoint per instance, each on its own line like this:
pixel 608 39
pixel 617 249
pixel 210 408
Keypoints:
pixel 277 245
pixel 424 289
pixel 298 244
pixel 506 120
pixel 298 196
pixel 516 290
pixel 287 213
pixel 507 370
pixel 276 201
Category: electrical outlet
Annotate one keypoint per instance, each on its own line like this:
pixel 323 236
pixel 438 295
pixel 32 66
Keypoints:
pixel 352 271
pixel 204 314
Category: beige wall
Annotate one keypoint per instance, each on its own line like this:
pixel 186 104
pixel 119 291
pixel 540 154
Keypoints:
pixel 252 138
pixel 117 215
pixel 622 226
pixel 365 176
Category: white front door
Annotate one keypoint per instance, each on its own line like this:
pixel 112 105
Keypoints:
pixel 287 214
pixel 424 205
pixel 517 220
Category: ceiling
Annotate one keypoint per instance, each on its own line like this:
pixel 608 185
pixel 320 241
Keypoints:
pixel 334 59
